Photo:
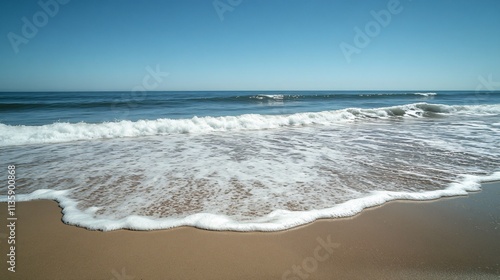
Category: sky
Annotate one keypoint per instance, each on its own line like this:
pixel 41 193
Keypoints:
pixel 119 45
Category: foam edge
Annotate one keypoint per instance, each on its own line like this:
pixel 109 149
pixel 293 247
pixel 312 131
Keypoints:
pixel 275 221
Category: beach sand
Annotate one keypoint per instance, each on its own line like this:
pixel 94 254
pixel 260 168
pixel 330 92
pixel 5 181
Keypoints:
pixel 450 238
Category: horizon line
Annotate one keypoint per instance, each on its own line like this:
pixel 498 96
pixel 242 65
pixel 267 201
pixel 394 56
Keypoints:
pixel 266 90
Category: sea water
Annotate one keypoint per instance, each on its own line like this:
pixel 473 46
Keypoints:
pixel 244 161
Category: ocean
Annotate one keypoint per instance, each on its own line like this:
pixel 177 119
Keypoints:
pixel 244 161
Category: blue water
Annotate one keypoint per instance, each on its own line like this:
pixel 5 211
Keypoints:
pixel 37 108
pixel 244 161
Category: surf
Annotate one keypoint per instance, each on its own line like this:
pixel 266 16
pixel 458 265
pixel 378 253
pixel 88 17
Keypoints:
pixel 67 132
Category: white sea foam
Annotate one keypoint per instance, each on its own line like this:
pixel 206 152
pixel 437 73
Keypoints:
pixel 269 96
pixel 274 221
pixel 66 132
pixel 230 174
pixel 426 93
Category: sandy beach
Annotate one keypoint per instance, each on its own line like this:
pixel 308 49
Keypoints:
pixel 235 140
pixel 450 238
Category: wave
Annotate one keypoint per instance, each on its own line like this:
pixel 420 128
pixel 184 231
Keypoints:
pixel 268 96
pixel 274 221
pixel 167 100
pixel 66 132
pixel 425 93
pixel 319 96
pixel 59 105
pixel 310 95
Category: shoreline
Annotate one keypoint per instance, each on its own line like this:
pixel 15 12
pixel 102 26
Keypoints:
pixel 268 223
pixel 443 238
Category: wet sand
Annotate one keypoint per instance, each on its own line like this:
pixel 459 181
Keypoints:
pixel 451 238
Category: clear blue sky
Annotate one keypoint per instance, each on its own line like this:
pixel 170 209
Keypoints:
pixel 259 45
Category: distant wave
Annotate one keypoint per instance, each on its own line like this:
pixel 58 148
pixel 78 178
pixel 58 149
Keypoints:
pixel 27 104
pixel 426 93
pixel 348 96
pixel 65 132
pixel 268 96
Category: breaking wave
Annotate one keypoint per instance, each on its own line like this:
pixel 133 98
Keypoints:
pixel 67 132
